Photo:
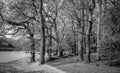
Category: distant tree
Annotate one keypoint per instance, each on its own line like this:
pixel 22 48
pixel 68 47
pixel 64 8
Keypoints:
pixel 53 12
pixel 75 12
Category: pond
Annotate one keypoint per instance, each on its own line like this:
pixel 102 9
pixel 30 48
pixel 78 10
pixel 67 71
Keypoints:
pixel 8 56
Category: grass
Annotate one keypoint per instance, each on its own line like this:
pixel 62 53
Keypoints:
pixel 73 65
pixel 70 64
pixel 10 69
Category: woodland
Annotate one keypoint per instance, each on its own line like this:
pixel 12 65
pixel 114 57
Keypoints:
pixel 61 28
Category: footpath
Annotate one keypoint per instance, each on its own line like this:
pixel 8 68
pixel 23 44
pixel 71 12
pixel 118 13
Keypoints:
pixel 36 67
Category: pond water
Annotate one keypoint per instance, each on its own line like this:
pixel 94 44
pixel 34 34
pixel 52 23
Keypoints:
pixel 8 56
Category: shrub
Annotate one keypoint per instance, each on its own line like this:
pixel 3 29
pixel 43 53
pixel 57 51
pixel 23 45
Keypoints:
pixel 110 48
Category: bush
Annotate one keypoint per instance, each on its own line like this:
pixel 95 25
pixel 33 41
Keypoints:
pixel 110 49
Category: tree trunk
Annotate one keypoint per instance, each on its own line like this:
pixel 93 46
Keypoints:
pixel 88 31
pixel 50 45
pixel 72 51
pixel 82 40
pixel 76 49
pixel 88 49
pixel 81 57
pixel 50 53
pixel 60 53
pixel 88 35
pixel 99 3
pixel 32 48
pixel 87 58
pixel 42 49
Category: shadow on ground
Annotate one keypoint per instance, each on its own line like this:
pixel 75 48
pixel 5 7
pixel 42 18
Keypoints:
pixel 114 63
